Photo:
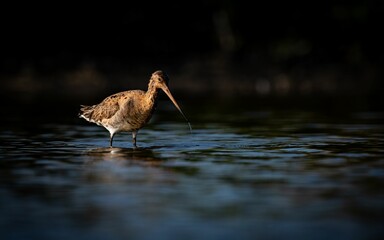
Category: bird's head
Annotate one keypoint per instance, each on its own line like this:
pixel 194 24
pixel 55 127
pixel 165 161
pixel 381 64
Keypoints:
pixel 160 80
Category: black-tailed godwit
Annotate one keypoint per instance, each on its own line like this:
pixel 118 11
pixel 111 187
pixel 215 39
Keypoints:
pixel 129 111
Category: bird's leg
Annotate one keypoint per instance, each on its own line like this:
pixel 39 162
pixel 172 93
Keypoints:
pixel 134 133
pixel 111 140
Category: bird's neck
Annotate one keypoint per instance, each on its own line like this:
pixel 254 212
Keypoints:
pixel 151 93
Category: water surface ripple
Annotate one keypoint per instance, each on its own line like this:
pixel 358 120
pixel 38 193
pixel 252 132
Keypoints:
pixel 255 175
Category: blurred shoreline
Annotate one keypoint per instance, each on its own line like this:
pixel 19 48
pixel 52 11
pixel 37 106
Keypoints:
pixel 199 87
pixel 196 78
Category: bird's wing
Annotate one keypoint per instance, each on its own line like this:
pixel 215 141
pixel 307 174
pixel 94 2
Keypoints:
pixel 104 110
pixel 120 105
pixel 108 107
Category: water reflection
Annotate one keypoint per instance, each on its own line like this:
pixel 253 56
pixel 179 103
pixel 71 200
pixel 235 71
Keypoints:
pixel 123 156
pixel 251 175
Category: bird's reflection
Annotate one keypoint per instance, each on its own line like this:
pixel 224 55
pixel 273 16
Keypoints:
pixel 123 156
pixel 124 165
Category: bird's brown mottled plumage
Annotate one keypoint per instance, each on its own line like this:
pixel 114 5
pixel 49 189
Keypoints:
pixel 128 111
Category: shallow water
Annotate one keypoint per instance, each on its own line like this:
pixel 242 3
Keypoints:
pixel 249 175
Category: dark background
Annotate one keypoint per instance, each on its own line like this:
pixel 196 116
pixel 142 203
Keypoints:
pixel 69 54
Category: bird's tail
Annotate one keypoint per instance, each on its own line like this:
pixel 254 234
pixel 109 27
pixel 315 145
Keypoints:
pixel 86 112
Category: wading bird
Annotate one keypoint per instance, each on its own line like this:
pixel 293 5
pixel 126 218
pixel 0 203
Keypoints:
pixel 129 111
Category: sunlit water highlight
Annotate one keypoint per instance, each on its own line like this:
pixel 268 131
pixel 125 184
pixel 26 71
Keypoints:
pixel 255 175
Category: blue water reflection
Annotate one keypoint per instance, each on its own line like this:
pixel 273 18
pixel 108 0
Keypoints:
pixel 297 177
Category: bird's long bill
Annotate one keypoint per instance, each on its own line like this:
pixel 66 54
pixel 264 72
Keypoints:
pixel 166 90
